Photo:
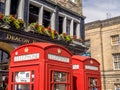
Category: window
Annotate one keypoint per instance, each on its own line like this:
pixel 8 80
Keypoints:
pixel 115 39
pixel 2 6
pixel 59 80
pixel 116 58
pixel 60 24
pixel 68 26
pixel 14 7
pixel 93 84
pixel 117 86
pixel 23 80
pixel 46 18
pixel 72 1
pixel 33 13
pixel 74 28
pixel 4 56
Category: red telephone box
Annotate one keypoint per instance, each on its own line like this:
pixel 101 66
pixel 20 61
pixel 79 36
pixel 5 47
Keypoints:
pixel 86 73
pixel 40 66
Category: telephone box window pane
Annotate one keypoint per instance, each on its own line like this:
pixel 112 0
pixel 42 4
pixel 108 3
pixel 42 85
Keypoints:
pixel 59 76
pixel 32 87
pixel 12 76
pixel 22 76
pixel 32 76
pixel 60 87
pixel 12 87
pixel 22 87
pixel 93 84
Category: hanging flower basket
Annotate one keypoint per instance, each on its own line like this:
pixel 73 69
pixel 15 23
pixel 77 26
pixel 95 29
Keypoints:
pixel 65 37
pixel 10 22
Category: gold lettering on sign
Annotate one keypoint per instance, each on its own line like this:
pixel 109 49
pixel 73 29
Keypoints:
pixel 18 39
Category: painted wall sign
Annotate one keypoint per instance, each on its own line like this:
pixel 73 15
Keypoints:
pixel 15 37
pixel 27 57
pixel 58 58
pixel 91 67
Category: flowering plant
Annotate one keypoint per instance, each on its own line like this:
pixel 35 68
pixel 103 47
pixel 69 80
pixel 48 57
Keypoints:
pixel 40 29
pixel 11 22
pixel 65 37
pixel 1 17
pixel 35 27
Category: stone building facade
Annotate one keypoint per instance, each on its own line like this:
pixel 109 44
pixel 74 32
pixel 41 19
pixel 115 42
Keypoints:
pixel 103 39
pixel 73 5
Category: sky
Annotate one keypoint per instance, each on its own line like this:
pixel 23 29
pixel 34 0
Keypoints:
pixel 100 9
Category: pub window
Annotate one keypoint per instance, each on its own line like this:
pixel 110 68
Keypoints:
pixel 4 56
pixel 116 59
pixel 14 7
pixel 74 28
pixel 46 18
pixel 68 27
pixel 2 6
pixel 33 13
pixel 115 39
pixel 60 24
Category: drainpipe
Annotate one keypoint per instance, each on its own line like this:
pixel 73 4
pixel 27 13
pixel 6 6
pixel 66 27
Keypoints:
pixel 102 56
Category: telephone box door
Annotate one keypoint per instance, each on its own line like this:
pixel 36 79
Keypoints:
pixel 24 78
pixel 93 82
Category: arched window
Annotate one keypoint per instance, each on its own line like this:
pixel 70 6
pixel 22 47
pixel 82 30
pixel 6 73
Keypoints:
pixel 4 56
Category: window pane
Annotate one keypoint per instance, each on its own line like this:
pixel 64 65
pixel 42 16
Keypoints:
pixel 115 39
pixel 2 6
pixel 68 27
pixel 5 57
pixel 60 87
pixel 59 76
pixel 117 87
pixel 32 76
pixel 32 87
pixel 22 87
pixel 74 28
pixel 33 13
pixel 116 58
pixel 22 76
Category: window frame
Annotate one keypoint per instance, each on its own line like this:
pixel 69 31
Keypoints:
pixel 2 6
pixel 2 52
pixel 53 82
pixel 73 1
pixel 116 62
pixel 117 88
pixel 115 40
